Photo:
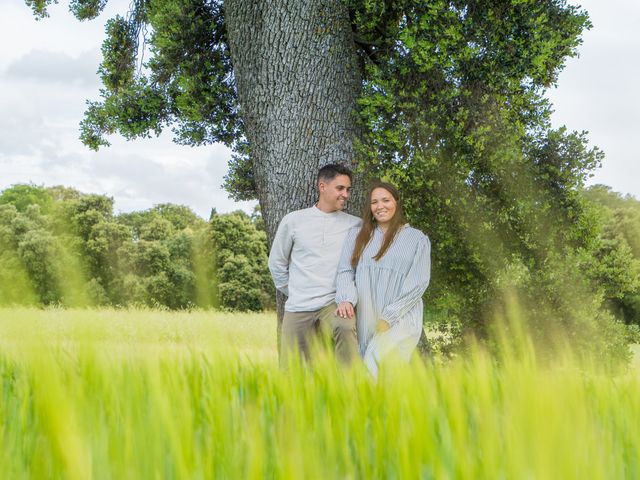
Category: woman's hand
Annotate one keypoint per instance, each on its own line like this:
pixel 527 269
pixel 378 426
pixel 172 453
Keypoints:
pixel 382 326
pixel 345 310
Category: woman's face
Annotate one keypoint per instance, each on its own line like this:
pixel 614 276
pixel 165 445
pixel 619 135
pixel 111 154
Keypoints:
pixel 383 205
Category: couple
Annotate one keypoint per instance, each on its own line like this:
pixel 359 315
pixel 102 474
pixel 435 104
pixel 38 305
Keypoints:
pixel 328 262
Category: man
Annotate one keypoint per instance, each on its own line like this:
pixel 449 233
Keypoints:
pixel 303 263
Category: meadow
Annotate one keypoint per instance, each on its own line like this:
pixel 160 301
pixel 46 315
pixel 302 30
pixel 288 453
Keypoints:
pixel 136 394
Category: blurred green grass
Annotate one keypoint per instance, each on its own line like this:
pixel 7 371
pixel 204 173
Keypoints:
pixel 141 331
pixel 155 394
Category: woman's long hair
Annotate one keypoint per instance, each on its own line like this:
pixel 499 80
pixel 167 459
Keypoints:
pixel 369 224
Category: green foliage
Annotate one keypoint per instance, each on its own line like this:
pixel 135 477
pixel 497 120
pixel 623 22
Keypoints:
pixel 23 195
pixel 241 260
pixel 187 82
pixel 79 253
pixel 15 285
pixel 615 264
pixel 119 55
pixel 240 181
pixel 87 9
pixel 134 113
pixel 621 215
pixel 37 266
pixel 39 7
pixel 179 216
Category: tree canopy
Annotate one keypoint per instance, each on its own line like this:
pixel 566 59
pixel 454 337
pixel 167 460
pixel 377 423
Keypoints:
pixel 430 69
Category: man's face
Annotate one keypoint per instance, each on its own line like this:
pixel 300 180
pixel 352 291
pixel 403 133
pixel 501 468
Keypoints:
pixel 334 193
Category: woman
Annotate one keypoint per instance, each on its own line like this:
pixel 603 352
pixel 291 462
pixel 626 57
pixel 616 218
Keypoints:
pixel 385 269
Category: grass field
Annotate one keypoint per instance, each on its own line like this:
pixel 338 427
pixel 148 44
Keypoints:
pixel 148 394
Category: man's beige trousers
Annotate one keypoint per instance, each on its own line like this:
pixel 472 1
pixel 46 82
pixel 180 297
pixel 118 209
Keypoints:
pixel 300 330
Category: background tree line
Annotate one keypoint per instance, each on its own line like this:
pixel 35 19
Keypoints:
pixel 616 263
pixel 61 246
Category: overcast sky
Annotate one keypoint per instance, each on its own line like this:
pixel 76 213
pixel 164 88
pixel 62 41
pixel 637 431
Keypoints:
pixel 48 70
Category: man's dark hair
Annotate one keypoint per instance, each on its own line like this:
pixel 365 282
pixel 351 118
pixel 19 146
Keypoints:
pixel 332 170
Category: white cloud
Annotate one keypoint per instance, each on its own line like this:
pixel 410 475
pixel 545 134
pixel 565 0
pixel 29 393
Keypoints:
pixel 137 174
pixel 597 91
pixel 61 32
pixel 54 68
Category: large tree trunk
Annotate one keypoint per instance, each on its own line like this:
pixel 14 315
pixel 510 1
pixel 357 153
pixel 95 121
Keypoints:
pixel 298 79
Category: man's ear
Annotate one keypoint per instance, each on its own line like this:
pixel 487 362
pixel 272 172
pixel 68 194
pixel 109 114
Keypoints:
pixel 321 186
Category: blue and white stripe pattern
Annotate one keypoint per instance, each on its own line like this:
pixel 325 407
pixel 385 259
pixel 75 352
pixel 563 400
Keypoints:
pixel 390 289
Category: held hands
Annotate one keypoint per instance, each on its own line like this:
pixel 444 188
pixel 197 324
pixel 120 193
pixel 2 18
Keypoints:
pixel 345 310
pixel 382 326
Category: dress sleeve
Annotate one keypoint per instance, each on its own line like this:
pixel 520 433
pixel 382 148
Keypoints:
pixel 414 285
pixel 346 275
pixel 279 256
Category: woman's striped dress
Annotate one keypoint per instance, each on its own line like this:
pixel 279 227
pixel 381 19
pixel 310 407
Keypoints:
pixel 390 289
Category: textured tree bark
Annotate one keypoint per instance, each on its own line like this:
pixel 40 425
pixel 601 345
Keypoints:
pixel 298 79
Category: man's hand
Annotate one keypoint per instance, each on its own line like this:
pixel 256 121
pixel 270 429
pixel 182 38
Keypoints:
pixel 382 326
pixel 345 310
